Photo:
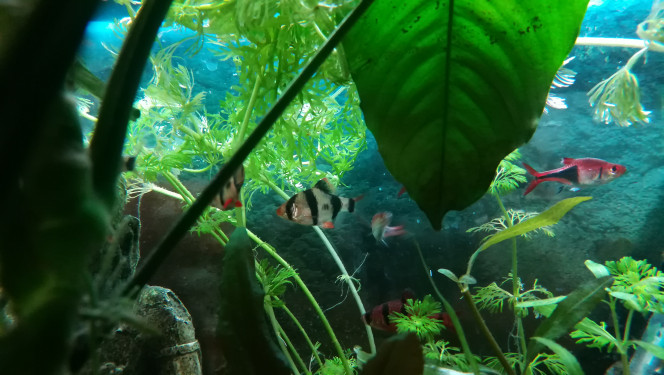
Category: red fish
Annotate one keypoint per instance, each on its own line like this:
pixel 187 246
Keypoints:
pixel 380 227
pixel 229 196
pixel 379 316
pixel 577 172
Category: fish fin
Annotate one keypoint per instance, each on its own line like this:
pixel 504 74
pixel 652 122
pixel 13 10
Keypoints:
pixel 394 231
pixel 238 204
pixel 533 184
pixel 327 225
pixel 325 185
pixel 359 197
pixel 227 203
pixel 531 170
pixel 401 192
pixel 406 295
pixel 567 161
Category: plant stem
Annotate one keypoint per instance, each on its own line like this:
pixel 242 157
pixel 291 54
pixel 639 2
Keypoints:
pixel 610 42
pixel 308 294
pixel 280 339
pixel 249 109
pixel 455 319
pixel 516 287
pixel 487 334
pixel 304 333
pixel 342 268
pixel 616 327
pixel 351 285
pixel 299 360
pixel 180 228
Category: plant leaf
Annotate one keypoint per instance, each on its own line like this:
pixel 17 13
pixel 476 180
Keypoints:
pixel 546 218
pixel 449 88
pixel 243 328
pixel 599 270
pixel 569 312
pixel 540 302
pixel 570 362
pixel 653 349
pixel 450 275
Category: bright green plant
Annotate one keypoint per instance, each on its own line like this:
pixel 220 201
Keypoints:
pixel 419 318
pixel 637 285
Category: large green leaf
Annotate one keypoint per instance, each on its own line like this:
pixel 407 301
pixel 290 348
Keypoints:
pixel 448 88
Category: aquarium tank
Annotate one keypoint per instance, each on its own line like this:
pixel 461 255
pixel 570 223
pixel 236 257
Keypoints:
pixel 332 187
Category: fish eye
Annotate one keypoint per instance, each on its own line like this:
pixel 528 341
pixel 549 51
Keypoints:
pixel 614 169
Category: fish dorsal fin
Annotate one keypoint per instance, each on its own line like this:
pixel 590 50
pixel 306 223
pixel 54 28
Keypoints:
pixel 568 161
pixel 406 295
pixel 325 185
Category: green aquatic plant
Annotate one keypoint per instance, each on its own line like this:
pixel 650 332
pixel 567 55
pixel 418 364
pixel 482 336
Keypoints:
pixel 638 286
pixel 443 354
pixel 418 318
pixel 618 98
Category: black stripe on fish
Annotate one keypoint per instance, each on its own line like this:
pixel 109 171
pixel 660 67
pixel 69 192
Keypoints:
pixel 571 174
pixel 290 205
pixel 403 309
pixel 313 205
pixel 600 173
pixel 336 205
pixel 386 313
pixel 351 205
pixel 367 318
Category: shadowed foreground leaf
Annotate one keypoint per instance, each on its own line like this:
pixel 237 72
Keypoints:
pixel 248 344
pixel 449 88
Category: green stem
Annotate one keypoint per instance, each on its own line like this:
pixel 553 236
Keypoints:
pixel 624 357
pixel 616 327
pixel 342 268
pixel 249 109
pixel 455 319
pixel 309 296
pixel 277 332
pixel 516 290
pixel 304 333
pixel 487 334
pixel 299 360
pixel 180 228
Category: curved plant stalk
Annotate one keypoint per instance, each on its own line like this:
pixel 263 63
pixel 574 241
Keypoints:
pixel 314 351
pixel 184 192
pixel 265 246
pixel 450 310
pixel 180 228
pixel 283 339
pixel 342 268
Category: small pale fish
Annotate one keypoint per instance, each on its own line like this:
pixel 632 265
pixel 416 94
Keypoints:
pixel 229 195
pixel 316 206
pixel 577 172
pixel 380 227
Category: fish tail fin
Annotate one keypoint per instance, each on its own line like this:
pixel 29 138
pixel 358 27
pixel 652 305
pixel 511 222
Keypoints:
pixel 394 231
pixel 401 192
pixel 350 205
pixel 533 184
pixel 531 170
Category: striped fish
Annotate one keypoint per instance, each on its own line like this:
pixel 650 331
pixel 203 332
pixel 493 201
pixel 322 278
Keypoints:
pixel 316 206
pixel 229 195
